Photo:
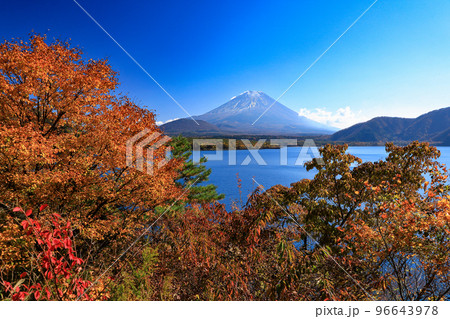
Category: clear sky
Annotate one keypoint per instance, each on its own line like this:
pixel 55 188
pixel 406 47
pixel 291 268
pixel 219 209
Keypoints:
pixel 395 61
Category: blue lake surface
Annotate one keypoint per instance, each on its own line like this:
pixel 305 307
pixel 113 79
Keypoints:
pixel 224 175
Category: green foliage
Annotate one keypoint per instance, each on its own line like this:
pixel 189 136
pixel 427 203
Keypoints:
pixel 136 283
pixel 193 174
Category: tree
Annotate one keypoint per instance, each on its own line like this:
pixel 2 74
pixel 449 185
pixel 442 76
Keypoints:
pixel 63 134
pixel 192 174
pixel 383 222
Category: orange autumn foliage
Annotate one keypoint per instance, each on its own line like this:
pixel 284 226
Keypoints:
pixel 63 133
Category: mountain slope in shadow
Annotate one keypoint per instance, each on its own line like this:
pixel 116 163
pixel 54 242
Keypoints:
pixel 431 127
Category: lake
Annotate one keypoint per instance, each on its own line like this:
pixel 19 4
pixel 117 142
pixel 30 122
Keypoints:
pixel 271 172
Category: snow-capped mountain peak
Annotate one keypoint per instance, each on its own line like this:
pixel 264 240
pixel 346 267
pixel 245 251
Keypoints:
pixel 252 93
pixel 241 111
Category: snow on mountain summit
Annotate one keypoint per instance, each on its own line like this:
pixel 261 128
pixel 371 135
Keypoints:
pixel 241 111
pixel 252 93
pixel 244 101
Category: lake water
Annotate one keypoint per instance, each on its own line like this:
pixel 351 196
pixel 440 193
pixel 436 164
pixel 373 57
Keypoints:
pixel 224 175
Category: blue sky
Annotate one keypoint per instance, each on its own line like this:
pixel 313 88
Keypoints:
pixel 395 61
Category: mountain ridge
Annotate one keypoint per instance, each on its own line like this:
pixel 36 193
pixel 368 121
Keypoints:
pixel 430 127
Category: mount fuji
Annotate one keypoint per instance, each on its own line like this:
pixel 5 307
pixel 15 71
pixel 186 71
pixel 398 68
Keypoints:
pixel 251 112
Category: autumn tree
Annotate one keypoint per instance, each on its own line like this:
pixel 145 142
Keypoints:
pixel 381 227
pixel 63 135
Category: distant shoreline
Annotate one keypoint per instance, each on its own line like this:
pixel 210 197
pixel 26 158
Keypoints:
pixel 318 140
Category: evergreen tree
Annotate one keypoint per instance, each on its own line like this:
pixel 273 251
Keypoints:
pixel 193 174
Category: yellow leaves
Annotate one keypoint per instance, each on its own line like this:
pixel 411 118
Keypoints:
pixel 12 246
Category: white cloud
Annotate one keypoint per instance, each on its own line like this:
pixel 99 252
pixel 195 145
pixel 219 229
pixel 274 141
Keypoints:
pixel 342 118
pixel 159 123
